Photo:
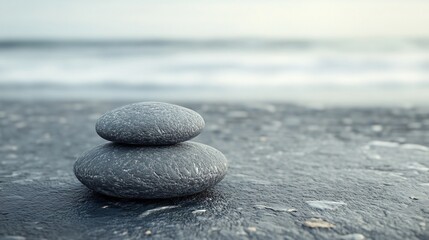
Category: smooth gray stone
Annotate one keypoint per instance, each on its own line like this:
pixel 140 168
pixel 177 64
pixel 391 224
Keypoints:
pixel 150 171
pixel 150 123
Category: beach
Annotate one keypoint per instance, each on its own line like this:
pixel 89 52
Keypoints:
pixel 295 171
pixel 299 120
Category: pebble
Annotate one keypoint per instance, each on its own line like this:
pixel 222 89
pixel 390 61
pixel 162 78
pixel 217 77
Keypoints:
pixel 200 211
pixel 150 123
pixel 318 223
pixel 354 236
pixel 158 209
pixel 150 172
pixel 325 205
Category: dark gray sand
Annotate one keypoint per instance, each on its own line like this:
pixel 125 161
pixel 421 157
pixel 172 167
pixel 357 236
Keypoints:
pixel 295 172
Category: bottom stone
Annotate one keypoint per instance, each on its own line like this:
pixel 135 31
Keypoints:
pixel 150 171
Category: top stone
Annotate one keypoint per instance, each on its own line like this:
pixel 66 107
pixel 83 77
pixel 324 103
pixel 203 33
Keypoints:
pixel 150 123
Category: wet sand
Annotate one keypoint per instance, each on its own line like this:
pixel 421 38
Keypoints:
pixel 296 172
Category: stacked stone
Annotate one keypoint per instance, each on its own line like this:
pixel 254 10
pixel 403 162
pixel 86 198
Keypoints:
pixel 148 157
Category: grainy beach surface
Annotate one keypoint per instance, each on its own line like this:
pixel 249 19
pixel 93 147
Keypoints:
pixel 295 172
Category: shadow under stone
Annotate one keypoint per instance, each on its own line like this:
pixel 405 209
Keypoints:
pixel 67 208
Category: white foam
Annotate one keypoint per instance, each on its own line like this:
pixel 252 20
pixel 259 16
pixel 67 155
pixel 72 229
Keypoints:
pixel 384 144
pixel 415 147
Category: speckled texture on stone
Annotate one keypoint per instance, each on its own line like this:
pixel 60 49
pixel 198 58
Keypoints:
pixel 150 123
pixel 149 172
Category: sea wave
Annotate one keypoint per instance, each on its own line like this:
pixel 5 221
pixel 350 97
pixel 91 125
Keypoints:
pixel 379 44
pixel 222 63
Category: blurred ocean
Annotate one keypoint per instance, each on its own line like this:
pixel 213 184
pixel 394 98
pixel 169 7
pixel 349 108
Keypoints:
pixel 217 69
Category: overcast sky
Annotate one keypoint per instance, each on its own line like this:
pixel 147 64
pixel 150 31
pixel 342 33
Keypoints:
pixel 83 19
